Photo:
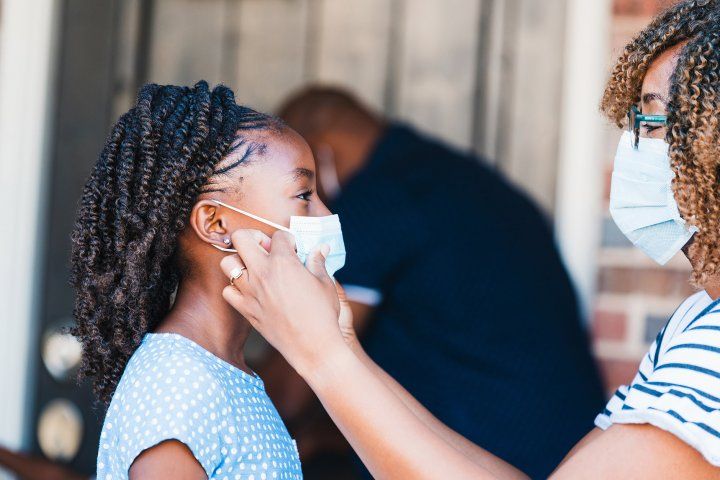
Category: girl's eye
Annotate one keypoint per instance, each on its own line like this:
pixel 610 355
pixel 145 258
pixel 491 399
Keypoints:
pixel 305 195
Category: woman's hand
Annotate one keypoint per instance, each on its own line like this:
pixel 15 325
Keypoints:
pixel 295 308
pixel 302 313
pixel 345 319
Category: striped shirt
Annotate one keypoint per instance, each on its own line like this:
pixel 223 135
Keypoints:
pixel 677 387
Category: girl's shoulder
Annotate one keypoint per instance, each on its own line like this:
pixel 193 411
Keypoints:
pixel 166 392
pixel 167 353
pixel 164 370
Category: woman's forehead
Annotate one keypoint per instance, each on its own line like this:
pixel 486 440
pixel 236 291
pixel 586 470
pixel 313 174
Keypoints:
pixel 656 84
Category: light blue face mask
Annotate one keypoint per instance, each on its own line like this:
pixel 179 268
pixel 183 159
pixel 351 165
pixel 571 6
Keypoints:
pixel 642 202
pixel 309 232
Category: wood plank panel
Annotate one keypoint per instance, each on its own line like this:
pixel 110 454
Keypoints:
pixel 436 77
pixel 350 46
pixel 531 153
pixel 187 42
pixel 271 50
pixel 494 73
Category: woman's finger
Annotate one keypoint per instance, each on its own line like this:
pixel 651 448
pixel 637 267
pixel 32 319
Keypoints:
pixel 233 268
pixel 316 262
pixel 251 247
pixel 239 302
pixel 283 243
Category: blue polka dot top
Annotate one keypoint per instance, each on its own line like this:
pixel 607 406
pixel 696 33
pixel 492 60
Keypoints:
pixel 172 388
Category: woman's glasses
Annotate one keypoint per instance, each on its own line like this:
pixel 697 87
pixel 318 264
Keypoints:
pixel 635 118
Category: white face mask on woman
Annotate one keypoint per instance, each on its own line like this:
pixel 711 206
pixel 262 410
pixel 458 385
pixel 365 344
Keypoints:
pixel 309 232
pixel 642 202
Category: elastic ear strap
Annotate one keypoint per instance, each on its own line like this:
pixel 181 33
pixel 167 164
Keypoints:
pixel 254 217
pixel 229 250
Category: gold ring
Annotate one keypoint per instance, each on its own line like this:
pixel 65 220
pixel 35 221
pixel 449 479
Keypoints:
pixel 236 273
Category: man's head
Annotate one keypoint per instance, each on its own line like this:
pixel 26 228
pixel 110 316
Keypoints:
pixel 340 130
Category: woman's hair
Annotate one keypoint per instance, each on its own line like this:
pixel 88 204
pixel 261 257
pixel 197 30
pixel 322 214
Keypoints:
pixel 693 114
pixel 168 149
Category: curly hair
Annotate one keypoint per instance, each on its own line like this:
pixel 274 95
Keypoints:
pixel 169 148
pixel 693 111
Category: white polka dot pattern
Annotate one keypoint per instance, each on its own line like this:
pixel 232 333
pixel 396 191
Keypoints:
pixel 174 389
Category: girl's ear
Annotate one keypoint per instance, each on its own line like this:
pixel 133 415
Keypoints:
pixel 210 223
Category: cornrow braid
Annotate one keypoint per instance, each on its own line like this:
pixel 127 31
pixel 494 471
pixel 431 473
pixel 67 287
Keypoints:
pixel 159 156
pixel 693 113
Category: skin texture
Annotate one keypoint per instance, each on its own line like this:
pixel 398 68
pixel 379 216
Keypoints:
pixel 279 184
pixel 391 432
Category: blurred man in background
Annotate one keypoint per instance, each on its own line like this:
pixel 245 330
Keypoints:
pixel 431 212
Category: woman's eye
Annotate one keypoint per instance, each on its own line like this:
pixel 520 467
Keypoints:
pixel 650 128
pixel 305 195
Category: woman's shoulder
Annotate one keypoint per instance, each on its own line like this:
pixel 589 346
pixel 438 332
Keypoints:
pixel 678 385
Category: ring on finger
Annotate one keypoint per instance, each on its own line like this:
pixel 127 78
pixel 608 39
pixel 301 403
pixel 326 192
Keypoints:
pixel 236 273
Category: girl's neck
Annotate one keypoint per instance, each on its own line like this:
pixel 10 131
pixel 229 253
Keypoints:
pixel 202 315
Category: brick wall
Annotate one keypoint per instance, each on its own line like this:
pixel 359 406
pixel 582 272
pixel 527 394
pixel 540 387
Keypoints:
pixel 635 296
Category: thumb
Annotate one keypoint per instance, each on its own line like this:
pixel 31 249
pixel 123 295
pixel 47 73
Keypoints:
pixel 316 261
pixel 342 296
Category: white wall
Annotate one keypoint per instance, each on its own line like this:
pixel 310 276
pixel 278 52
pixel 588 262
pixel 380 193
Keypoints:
pixel 580 170
pixel 27 38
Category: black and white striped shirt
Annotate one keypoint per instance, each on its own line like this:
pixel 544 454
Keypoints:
pixel 677 387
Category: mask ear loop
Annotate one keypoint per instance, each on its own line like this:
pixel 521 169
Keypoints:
pixel 247 214
pixel 228 250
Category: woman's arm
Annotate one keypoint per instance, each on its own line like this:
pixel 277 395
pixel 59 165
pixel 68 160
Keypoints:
pixel 634 451
pixel 297 312
pixel 390 439
pixel 479 456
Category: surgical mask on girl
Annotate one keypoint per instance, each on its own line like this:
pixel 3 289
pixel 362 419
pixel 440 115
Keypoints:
pixel 309 232
pixel 642 202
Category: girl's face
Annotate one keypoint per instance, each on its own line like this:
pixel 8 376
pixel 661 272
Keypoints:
pixel 278 182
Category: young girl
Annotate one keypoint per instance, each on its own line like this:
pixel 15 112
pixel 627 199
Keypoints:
pixel 160 343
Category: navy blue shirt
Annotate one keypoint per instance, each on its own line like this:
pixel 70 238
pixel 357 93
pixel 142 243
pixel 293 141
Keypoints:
pixel 478 319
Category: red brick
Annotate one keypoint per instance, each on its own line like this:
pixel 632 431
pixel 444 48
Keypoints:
pixel 653 281
pixel 640 7
pixel 617 372
pixel 608 325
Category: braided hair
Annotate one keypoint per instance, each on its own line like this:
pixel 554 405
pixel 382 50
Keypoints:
pixel 160 156
pixel 693 114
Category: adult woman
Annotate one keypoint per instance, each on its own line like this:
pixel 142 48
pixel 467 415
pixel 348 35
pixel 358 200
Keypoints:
pixel 163 193
pixel 664 197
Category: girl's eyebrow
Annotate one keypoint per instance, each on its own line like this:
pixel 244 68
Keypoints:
pixel 301 172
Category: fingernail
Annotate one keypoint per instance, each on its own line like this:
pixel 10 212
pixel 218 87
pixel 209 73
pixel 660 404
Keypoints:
pixel 325 250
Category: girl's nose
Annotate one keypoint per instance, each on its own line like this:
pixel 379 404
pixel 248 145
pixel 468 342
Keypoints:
pixel 320 209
